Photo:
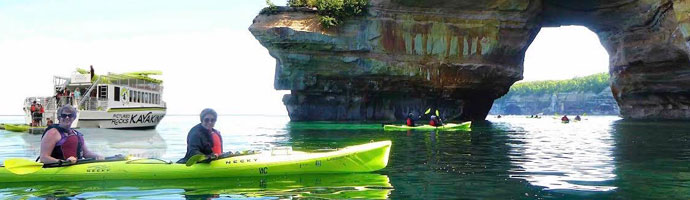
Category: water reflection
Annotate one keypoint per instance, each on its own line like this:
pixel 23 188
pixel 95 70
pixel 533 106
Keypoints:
pixel 653 159
pixel 509 158
pixel 574 156
pixel 322 186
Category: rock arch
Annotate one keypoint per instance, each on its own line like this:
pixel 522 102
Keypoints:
pixel 458 56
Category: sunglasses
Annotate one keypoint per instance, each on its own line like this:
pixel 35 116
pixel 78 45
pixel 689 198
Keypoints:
pixel 72 115
pixel 209 120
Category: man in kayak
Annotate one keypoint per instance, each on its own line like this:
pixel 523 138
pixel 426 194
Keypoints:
pixel 410 120
pixel 61 144
pixel 577 118
pixel 203 138
pixel 565 119
pixel 435 121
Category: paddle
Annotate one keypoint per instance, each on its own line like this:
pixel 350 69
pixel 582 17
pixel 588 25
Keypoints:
pixel 24 166
pixel 194 159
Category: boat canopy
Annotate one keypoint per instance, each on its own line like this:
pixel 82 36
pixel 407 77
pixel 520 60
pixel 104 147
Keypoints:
pixel 137 75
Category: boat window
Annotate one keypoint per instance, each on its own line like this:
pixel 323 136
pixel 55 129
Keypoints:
pixel 103 92
pixel 117 94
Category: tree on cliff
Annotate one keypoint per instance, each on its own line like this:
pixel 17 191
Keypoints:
pixel 333 12
pixel 591 83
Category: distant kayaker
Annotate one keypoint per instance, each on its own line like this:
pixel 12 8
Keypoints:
pixel 565 118
pixel 203 138
pixel 61 144
pixel 577 118
pixel 410 120
pixel 435 121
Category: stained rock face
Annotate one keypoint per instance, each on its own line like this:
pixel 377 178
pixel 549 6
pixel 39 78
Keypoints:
pixel 458 56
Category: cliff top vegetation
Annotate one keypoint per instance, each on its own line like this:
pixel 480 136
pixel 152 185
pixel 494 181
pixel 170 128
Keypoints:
pixel 331 12
pixel 591 83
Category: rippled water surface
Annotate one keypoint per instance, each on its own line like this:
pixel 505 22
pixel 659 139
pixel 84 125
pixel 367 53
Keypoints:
pixel 508 158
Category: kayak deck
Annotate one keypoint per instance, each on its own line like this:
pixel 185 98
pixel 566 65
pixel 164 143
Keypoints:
pixel 446 127
pixel 360 158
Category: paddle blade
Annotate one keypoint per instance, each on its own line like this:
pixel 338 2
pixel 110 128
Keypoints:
pixel 427 111
pixel 437 114
pixel 194 159
pixel 22 166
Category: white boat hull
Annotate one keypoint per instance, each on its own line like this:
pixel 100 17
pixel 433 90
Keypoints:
pixel 124 118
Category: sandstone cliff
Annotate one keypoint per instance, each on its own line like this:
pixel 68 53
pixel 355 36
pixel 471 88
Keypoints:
pixel 458 56
pixel 570 103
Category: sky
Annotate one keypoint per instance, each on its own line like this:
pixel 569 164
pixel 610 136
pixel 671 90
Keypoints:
pixel 207 55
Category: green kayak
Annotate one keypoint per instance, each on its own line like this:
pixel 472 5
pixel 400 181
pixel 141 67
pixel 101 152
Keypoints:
pixel 17 127
pixel 359 158
pixel 447 127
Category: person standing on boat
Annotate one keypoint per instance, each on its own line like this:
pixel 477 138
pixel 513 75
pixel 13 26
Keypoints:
pixel 61 144
pixel 92 72
pixel 68 96
pixel 203 138
pixel 33 110
pixel 41 110
pixel 77 94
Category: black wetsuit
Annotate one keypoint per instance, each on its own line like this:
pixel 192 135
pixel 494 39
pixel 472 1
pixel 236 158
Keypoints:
pixel 199 141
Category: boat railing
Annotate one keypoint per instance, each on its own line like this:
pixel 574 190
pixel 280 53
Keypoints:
pixel 60 83
pixel 48 103
pixel 132 82
pixel 93 103
pixel 89 91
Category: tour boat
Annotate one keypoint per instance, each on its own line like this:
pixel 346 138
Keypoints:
pixel 131 100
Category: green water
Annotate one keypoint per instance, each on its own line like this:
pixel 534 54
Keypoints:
pixel 507 158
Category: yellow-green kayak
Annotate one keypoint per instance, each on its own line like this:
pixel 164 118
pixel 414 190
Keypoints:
pixel 17 127
pixel 446 127
pixel 359 158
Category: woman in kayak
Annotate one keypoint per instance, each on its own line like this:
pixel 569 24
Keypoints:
pixel 203 138
pixel 61 144
pixel 409 121
pixel 435 121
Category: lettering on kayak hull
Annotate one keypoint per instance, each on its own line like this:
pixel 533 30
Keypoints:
pixel 98 169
